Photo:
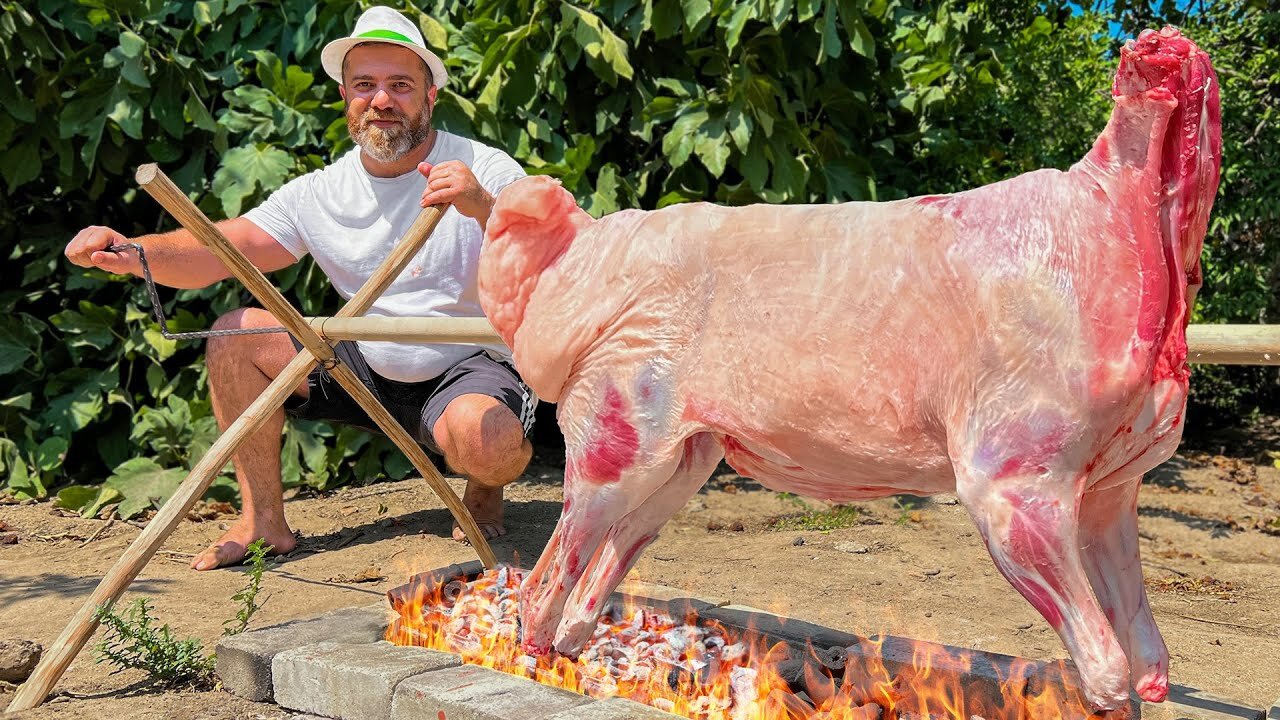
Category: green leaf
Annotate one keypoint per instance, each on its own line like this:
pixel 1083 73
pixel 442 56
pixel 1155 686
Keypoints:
pixel 21 402
pixel 605 198
pixel 19 342
pixel 695 11
pixel 600 44
pixel 200 117
pixel 678 143
pixel 860 37
pixel 127 114
pixel 81 405
pixel 734 23
pixel 51 453
pixel 829 45
pixel 667 16
pixel 132 44
pixel 163 346
pixel 25 484
pixel 712 146
pixel 433 32
pixel 86 500
pixel 245 169
pixel 143 483
pixel 94 326
pixel 21 164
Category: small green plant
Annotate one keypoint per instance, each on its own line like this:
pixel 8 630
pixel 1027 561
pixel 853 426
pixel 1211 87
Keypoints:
pixel 795 500
pixel 134 643
pixel 839 516
pixel 908 509
pixel 256 555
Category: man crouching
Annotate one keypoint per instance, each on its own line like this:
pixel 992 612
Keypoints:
pixel 466 403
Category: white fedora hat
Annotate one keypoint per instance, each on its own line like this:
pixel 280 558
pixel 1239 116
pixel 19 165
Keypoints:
pixel 382 24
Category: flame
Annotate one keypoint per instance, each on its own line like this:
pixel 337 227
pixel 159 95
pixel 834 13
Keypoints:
pixel 707 671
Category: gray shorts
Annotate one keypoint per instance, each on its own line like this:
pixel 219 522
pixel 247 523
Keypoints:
pixel 416 406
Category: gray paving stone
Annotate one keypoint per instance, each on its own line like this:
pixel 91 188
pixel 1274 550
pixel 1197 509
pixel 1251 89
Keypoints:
pixel 349 681
pixel 614 709
pixel 1274 714
pixel 471 692
pixel 244 660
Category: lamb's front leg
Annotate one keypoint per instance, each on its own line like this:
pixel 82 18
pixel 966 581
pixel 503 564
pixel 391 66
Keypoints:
pixel 629 536
pixel 612 465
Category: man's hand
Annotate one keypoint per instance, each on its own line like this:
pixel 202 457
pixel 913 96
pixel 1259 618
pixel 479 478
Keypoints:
pixel 89 249
pixel 453 182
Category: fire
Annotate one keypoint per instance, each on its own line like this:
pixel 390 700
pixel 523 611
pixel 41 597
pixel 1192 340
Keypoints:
pixel 703 670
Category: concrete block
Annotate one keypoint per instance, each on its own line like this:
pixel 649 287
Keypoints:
pixel 1188 703
pixel 244 660
pixel 614 709
pixel 471 692
pixel 349 681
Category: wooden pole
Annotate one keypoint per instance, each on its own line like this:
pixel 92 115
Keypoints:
pixel 54 663
pixel 82 625
pixel 1206 344
pixel 464 330
pixel 1233 344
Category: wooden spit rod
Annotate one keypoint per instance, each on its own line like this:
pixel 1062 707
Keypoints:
pixel 1206 344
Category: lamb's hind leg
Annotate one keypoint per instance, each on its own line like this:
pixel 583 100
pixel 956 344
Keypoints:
pixel 1028 517
pixel 1109 549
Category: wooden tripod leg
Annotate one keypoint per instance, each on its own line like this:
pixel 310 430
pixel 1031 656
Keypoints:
pixel 159 186
pixel 410 447
pixel 113 584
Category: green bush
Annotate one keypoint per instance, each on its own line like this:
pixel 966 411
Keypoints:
pixel 631 103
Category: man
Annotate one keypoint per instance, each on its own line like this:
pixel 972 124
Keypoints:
pixel 466 403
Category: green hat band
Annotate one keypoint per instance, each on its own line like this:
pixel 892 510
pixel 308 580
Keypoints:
pixel 386 35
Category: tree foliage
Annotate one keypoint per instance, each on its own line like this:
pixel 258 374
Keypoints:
pixel 630 103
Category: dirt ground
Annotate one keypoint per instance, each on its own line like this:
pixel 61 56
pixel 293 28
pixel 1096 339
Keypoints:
pixel 1210 534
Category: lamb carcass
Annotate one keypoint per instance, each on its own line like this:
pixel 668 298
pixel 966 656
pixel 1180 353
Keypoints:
pixel 1022 343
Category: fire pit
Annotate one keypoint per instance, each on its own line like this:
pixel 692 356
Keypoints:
pixel 730 662
pixel 454 654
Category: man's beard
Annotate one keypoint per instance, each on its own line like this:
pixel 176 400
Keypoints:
pixel 389 144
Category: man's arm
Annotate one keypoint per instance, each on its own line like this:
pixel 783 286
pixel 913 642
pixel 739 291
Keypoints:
pixel 176 258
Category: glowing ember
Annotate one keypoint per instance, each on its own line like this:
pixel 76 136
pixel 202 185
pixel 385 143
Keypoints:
pixel 707 671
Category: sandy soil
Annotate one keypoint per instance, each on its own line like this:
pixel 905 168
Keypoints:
pixel 1210 527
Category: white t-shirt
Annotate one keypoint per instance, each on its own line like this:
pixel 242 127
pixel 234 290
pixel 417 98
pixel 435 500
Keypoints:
pixel 349 221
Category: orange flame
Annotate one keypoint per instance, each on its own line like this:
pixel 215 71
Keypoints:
pixel 707 671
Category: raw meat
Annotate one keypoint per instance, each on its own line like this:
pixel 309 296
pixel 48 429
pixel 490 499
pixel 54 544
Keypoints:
pixel 1022 344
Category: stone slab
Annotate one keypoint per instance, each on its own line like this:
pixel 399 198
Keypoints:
pixel 244 660
pixel 614 709
pixel 349 681
pixel 470 692
pixel 1187 703
pixel 1274 714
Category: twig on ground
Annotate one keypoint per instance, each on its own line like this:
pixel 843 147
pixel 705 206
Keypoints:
pixel 348 540
pixel 370 492
pixel 98 532
pixel 1218 622
pixel 1166 568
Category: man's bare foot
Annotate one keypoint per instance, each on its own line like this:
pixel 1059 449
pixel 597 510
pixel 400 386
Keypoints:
pixel 485 504
pixel 230 548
